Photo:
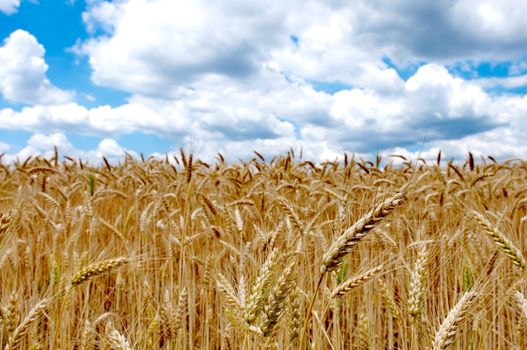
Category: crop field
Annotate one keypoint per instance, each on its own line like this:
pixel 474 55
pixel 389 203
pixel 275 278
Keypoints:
pixel 275 253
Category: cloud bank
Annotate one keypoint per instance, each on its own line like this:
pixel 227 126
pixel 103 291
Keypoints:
pixel 230 77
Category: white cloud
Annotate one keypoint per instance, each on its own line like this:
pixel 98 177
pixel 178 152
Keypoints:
pixel 227 117
pixel 444 30
pixel 40 144
pixel 44 144
pixel 4 147
pixel 235 76
pixel 432 102
pixel 436 91
pixel 154 47
pixel 510 82
pixel 9 6
pixel 23 72
pixel 500 143
pixel 197 117
pixel 160 48
pixel 495 22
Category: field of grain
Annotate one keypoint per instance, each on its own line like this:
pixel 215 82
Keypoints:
pixel 274 253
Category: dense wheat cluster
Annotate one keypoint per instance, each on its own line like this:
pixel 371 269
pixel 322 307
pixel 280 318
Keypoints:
pixel 266 254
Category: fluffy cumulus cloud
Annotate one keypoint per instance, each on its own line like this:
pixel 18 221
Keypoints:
pixel 234 76
pixel 23 72
pixel 9 7
pixel 162 48
pixel 431 103
pixel 444 29
pixel 156 47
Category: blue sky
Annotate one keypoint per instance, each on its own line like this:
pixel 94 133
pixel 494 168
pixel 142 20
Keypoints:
pixel 104 77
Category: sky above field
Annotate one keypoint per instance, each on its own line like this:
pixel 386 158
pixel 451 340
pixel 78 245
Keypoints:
pixel 325 76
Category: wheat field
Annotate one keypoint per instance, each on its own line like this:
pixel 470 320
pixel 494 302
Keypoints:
pixel 275 253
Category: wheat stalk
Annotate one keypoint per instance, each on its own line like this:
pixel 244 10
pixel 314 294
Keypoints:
pixel 351 237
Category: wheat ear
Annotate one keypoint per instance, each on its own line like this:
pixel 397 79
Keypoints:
pixel 275 304
pixel 363 330
pixel 389 301
pixel 345 242
pixel 444 336
pixel 117 340
pixel 501 241
pixel 234 306
pixel 356 281
pixel 23 327
pixel 416 290
pixel 255 301
pixel 295 316
pixel 181 310
pixel 522 302
pixel 96 269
